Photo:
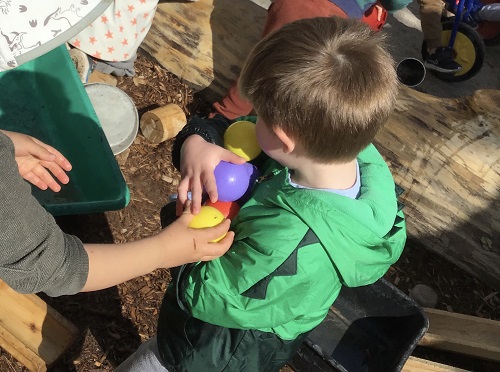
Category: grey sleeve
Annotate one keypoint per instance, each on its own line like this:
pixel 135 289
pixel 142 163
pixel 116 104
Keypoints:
pixel 35 255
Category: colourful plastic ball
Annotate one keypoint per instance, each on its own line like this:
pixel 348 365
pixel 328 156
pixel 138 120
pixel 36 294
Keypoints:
pixel 208 217
pixel 232 180
pixel 240 138
pixel 228 209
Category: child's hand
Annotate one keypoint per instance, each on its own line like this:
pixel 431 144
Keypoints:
pixel 181 244
pixel 198 161
pixel 35 159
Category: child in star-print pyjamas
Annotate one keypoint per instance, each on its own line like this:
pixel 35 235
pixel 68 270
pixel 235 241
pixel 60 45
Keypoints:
pixel 112 40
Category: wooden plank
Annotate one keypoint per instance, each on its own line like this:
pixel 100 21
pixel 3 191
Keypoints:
pixel 464 334
pixel 445 154
pixel 30 330
pixel 307 360
pixel 414 364
pixel 205 43
pixel 18 350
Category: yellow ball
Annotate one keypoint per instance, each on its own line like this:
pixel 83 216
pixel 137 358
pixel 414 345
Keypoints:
pixel 240 138
pixel 208 217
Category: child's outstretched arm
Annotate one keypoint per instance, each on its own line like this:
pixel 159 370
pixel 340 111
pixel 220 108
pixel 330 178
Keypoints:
pixel 197 150
pixel 35 159
pixel 175 245
pixel 198 161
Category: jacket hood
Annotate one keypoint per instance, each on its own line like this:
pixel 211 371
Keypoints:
pixel 362 236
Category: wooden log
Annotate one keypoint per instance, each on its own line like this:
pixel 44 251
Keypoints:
pixel 414 364
pixel 443 152
pixel 32 331
pixel 162 123
pixel 100 77
pixel 205 43
pixel 463 334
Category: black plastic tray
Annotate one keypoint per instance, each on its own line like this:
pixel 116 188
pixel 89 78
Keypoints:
pixel 373 328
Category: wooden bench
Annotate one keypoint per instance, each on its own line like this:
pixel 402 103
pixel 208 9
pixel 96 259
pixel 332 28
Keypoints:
pixel 32 331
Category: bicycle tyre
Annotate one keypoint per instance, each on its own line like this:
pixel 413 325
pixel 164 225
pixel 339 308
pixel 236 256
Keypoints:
pixel 469 51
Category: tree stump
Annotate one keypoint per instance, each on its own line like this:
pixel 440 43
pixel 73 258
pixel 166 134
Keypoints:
pixel 162 123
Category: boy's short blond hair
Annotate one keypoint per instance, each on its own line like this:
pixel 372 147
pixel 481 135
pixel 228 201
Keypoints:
pixel 328 82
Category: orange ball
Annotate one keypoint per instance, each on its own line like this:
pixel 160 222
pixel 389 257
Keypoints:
pixel 228 209
pixel 208 217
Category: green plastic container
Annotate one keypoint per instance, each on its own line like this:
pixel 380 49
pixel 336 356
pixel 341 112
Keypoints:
pixel 46 99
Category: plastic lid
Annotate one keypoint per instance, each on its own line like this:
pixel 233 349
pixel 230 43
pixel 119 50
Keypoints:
pixel 117 114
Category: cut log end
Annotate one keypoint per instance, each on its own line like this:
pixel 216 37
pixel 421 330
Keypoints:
pixel 162 123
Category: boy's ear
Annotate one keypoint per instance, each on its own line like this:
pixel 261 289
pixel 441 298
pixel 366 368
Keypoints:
pixel 287 141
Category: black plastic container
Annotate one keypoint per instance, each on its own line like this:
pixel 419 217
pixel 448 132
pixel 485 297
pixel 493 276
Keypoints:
pixel 373 328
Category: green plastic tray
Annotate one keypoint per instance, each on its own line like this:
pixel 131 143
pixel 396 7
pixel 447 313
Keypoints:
pixel 46 99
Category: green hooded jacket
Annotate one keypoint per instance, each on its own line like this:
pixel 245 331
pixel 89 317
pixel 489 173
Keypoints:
pixel 333 241
pixel 293 251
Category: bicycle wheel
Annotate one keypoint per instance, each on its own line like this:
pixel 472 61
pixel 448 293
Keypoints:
pixel 468 51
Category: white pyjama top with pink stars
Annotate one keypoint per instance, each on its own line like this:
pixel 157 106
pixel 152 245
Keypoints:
pixel 117 34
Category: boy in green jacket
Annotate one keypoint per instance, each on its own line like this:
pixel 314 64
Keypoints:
pixel 324 215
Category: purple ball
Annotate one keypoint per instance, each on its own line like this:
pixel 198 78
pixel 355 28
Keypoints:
pixel 254 174
pixel 232 180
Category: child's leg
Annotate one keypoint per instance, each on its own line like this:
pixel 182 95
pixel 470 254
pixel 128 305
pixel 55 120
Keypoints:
pixel 120 68
pixel 145 359
pixel 430 19
pixel 490 12
pixel 280 13
pixel 232 105
pixel 439 57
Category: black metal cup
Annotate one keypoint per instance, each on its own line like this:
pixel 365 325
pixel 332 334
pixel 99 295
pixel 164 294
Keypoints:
pixel 411 72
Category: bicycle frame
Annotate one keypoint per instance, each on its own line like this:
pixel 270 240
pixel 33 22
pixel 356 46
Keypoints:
pixel 463 10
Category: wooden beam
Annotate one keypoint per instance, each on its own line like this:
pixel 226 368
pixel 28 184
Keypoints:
pixel 463 334
pixel 414 364
pixel 19 351
pixel 444 153
pixel 32 331
pixel 205 43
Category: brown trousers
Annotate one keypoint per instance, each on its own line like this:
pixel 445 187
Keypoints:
pixel 430 19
